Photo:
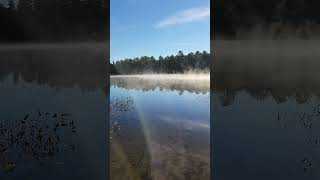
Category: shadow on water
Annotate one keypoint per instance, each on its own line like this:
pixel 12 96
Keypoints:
pixel 265 115
pixel 53 118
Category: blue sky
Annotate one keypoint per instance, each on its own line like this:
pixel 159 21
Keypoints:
pixel 158 27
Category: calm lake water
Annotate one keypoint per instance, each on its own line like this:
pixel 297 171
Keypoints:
pixel 160 127
pixel 54 113
pixel 266 113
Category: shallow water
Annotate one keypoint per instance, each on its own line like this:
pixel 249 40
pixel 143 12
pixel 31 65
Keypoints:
pixel 160 128
pixel 53 118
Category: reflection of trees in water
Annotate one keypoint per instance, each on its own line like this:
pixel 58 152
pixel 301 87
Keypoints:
pixel 56 67
pixel 37 136
pixel 202 98
pixel 263 70
pixel 227 94
pixel 226 98
pixel 145 84
pixel 130 158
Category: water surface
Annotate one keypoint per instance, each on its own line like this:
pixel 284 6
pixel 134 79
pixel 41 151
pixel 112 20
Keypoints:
pixel 53 118
pixel 160 127
pixel 266 112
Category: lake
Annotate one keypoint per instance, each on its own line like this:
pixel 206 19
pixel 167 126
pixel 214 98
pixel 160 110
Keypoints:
pixel 54 112
pixel 160 127
pixel 266 111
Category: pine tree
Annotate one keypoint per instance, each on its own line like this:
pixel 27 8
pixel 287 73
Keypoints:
pixel 11 4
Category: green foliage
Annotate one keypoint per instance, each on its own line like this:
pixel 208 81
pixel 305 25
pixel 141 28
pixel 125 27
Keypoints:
pixel 230 16
pixel 54 20
pixel 179 63
pixel 113 69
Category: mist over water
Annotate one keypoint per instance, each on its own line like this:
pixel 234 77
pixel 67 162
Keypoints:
pixel 290 47
pixel 145 106
pixel 272 65
pixel 181 82
pixel 169 77
pixel 39 83
pixel 266 98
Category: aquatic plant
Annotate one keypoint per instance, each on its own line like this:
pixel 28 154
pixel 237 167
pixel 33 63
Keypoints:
pixel 38 137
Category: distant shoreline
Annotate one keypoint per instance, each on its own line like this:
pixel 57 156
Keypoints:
pixel 203 76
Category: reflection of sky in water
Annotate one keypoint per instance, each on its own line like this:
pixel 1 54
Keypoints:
pixel 156 103
pixel 173 123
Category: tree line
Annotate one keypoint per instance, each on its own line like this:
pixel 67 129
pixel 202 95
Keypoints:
pixel 281 17
pixel 56 68
pixel 180 63
pixel 58 20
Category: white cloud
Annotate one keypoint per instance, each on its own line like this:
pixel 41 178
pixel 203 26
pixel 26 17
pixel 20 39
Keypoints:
pixel 185 16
